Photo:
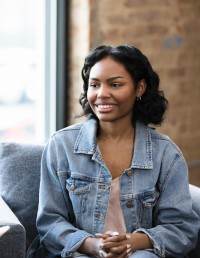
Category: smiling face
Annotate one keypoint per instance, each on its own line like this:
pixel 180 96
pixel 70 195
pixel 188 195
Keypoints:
pixel 111 91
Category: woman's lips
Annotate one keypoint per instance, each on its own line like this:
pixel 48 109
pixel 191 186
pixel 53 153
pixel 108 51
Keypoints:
pixel 103 108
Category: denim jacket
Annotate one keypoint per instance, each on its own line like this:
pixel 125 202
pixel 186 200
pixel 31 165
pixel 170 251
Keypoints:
pixel 75 189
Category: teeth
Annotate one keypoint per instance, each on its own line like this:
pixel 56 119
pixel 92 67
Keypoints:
pixel 106 106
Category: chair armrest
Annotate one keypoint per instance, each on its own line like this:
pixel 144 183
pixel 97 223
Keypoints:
pixel 195 194
pixel 12 233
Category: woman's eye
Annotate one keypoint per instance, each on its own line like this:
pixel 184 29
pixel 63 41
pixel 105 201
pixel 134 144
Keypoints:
pixel 115 85
pixel 94 85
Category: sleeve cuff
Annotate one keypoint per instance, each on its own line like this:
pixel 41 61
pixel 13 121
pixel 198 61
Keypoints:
pixel 158 246
pixel 77 240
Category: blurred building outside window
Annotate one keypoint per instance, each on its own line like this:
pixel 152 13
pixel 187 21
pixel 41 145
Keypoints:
pixel 22 70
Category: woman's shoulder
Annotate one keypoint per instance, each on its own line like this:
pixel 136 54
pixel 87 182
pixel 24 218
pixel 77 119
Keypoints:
pixel 70 128
pixel 73 127
pixel 73 130
pixel 163 139
pixel 68 132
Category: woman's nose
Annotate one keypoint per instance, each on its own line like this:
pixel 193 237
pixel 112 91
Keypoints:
pixel 103 92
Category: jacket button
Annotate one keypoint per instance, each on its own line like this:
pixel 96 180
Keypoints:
pixel 72 187
pixel 129 204
pixel 129 173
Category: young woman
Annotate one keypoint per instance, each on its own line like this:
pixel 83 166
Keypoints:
pixel 113 186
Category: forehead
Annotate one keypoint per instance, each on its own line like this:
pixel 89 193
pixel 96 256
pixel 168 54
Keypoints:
pixel 108 67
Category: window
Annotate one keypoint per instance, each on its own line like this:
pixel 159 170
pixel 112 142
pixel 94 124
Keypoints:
pixel 27 70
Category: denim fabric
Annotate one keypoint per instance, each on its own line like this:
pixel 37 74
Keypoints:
pixel 143 254
pixel 138 254
pixel 75 189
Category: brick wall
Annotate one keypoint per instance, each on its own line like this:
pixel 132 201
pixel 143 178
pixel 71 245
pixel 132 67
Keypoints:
pixel 79 46
pixel 167 31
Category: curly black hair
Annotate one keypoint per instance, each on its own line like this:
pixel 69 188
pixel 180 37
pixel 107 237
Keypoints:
pixel 152 106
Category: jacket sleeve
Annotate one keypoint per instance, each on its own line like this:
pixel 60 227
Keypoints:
pixel 176 227
pixel 58 234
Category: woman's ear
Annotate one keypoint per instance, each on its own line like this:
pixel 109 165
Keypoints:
pixel 141 88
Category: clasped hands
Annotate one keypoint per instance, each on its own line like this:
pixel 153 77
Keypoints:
pixel 112 244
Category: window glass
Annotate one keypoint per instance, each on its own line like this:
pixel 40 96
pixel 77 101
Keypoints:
pixel 21 70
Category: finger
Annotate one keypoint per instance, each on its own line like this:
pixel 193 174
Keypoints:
pixel 112 233
pixel 102 253
pixel 128 250
pixel 122 251
pixel 107 234
pixel 116 238
pixel 101 235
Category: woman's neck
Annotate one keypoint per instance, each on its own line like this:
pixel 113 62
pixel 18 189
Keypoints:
pixel 116 131
pixel 116 144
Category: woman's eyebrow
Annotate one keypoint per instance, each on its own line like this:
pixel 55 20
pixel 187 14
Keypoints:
pixel 94 79
pixel 114 78
pixel 108 80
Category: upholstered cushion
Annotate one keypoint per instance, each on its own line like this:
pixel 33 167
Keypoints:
pixel 19 182
pixel 12 233
pixel 195 193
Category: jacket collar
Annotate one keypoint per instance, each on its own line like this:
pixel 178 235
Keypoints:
pixel 142 157
pixel 86 142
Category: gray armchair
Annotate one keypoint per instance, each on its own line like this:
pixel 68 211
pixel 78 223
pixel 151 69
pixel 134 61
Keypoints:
pixel 19 188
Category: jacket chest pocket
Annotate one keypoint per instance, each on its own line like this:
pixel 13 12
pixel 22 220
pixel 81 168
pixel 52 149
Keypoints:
pixel 78 192
pixel 145 205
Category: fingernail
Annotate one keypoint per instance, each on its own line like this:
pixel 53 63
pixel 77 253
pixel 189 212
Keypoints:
pixel 128 250
pixel 128 246
pixel 128 237
pixel 101 253
pixel 115 233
